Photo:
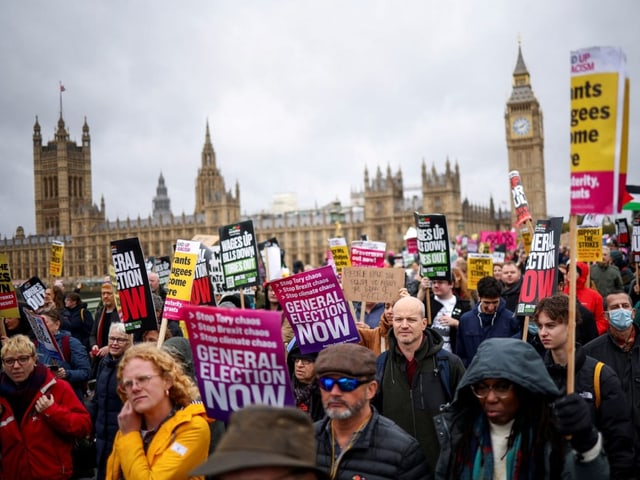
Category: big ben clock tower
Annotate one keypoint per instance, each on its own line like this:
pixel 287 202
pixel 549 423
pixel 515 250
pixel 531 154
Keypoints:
pixel 525 140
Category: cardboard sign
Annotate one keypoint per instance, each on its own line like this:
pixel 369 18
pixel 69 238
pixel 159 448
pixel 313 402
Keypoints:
pixel 367 254
pixel 540 278
pixel 8 297
pixel 55 264
pixel 238 358
pixel 316 308
pixel 239 255
pixel 339 253
pixel 519 198
pixel 589 244
pixel 181 277
pixel 361 284
pixel 479 265
pixel 433 246
pixel 136 305
pixel 33 292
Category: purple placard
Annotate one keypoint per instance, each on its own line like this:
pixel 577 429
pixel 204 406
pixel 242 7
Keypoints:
pixel 316 308
pixel 238 357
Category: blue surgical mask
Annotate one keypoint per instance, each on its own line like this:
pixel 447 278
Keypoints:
pixel 620 318
pixel 533 328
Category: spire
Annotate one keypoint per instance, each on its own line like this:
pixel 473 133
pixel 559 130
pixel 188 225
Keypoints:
pixel 161 202
pixel 521 68
pixel 522 92
pixel 208 153
pixel 37 137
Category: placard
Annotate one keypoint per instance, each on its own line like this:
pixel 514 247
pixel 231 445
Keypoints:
pixel 433 246
pixel 8 297
pixel 479 265
pixel 239 255
pixel 362 284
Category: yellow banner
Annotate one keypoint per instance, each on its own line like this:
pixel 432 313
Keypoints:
pixel 589 244
pixel 55 264
pixel 479 265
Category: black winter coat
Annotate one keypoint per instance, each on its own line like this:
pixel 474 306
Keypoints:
pixel 104 409
pixel 610 418
pixel 382 451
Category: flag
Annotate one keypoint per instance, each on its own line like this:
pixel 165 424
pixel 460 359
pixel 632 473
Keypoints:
pixel 632 198
pixel 62 89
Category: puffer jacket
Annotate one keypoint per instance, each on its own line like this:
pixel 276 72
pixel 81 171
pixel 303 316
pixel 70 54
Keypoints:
pixel 589 298
pixel 77 367
pixel 40 447
pixel 518 362
pixel 180 445
pixel 611 418
pixel 104 408
pixel 79 322
pixel 382 451
pixel 413 406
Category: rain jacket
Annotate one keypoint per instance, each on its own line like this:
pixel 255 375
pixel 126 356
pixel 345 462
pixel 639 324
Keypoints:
pixel 518 362
pixel 413 406
pixel 180 445
pixel 40 447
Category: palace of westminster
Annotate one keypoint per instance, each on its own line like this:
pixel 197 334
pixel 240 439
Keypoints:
pixel 65 210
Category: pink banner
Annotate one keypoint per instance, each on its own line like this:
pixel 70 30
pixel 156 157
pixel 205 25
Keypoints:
pixel 508 239
pixel 239 358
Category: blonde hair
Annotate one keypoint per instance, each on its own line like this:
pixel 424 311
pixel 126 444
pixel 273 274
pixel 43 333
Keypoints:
pixel 182 391
pixel 18 344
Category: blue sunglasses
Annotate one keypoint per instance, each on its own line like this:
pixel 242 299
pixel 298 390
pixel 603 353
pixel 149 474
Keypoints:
pixel 345 384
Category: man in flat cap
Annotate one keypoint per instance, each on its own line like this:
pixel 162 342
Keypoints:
pixel 265 443
pixel 354 440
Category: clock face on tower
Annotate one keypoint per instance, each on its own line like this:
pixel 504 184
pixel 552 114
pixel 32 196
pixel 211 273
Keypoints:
pixel 521 126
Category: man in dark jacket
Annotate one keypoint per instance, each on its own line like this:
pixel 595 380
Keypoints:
pixel 619 349
pixel 416 375
pixel 597 384
pixel 354 440
pixel 489 318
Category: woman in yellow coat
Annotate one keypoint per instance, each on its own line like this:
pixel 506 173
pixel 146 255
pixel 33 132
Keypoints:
pixel 163 429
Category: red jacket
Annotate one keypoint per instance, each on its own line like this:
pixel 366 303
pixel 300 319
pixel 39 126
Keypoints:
pixel 40 447
pixel 589 298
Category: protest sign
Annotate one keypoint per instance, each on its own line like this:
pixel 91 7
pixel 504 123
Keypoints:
pixel 520 204
pixel 540 278
pixel 181 277
pixel 589 244
pixel 238 358
pixel 55 264
pixel 8 297
pixel 635 241
pixel 339 253
pixel 239 255
pixel 43 335
pixel 272 259
pixel 316 308
pixel 162 266
pixel 622 232
pixel 367 254
pixel 136 304
pixel 599 118
pixel 33 292
pixel 202 288
pixel 499 253
pixel 494 238
pixel 372 284
pixel 433 246
pixel 479 265
pixel 411 240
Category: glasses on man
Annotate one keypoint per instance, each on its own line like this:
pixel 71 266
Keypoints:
pixel 118 340
pixel 11 361
pixel 305 362
pixel 345 384
pixel 141 381
pixel 501 389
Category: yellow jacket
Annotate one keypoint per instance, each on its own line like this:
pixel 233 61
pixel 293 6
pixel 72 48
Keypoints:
pixel 180 444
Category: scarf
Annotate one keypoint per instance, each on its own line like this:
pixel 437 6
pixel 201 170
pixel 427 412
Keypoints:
pixel 479 465
pixel 21 396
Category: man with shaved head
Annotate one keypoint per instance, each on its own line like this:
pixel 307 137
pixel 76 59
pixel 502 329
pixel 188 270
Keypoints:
pixel 417 376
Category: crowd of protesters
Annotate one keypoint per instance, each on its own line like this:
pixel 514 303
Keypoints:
pixel 441 386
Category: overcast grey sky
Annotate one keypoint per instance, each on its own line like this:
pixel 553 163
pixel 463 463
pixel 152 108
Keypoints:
pixel 300 95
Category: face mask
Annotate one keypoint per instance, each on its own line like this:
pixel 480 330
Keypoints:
pixel 620 319
pixel 533 328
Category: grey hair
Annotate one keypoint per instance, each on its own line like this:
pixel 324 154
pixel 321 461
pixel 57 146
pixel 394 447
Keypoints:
pixel 117 327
